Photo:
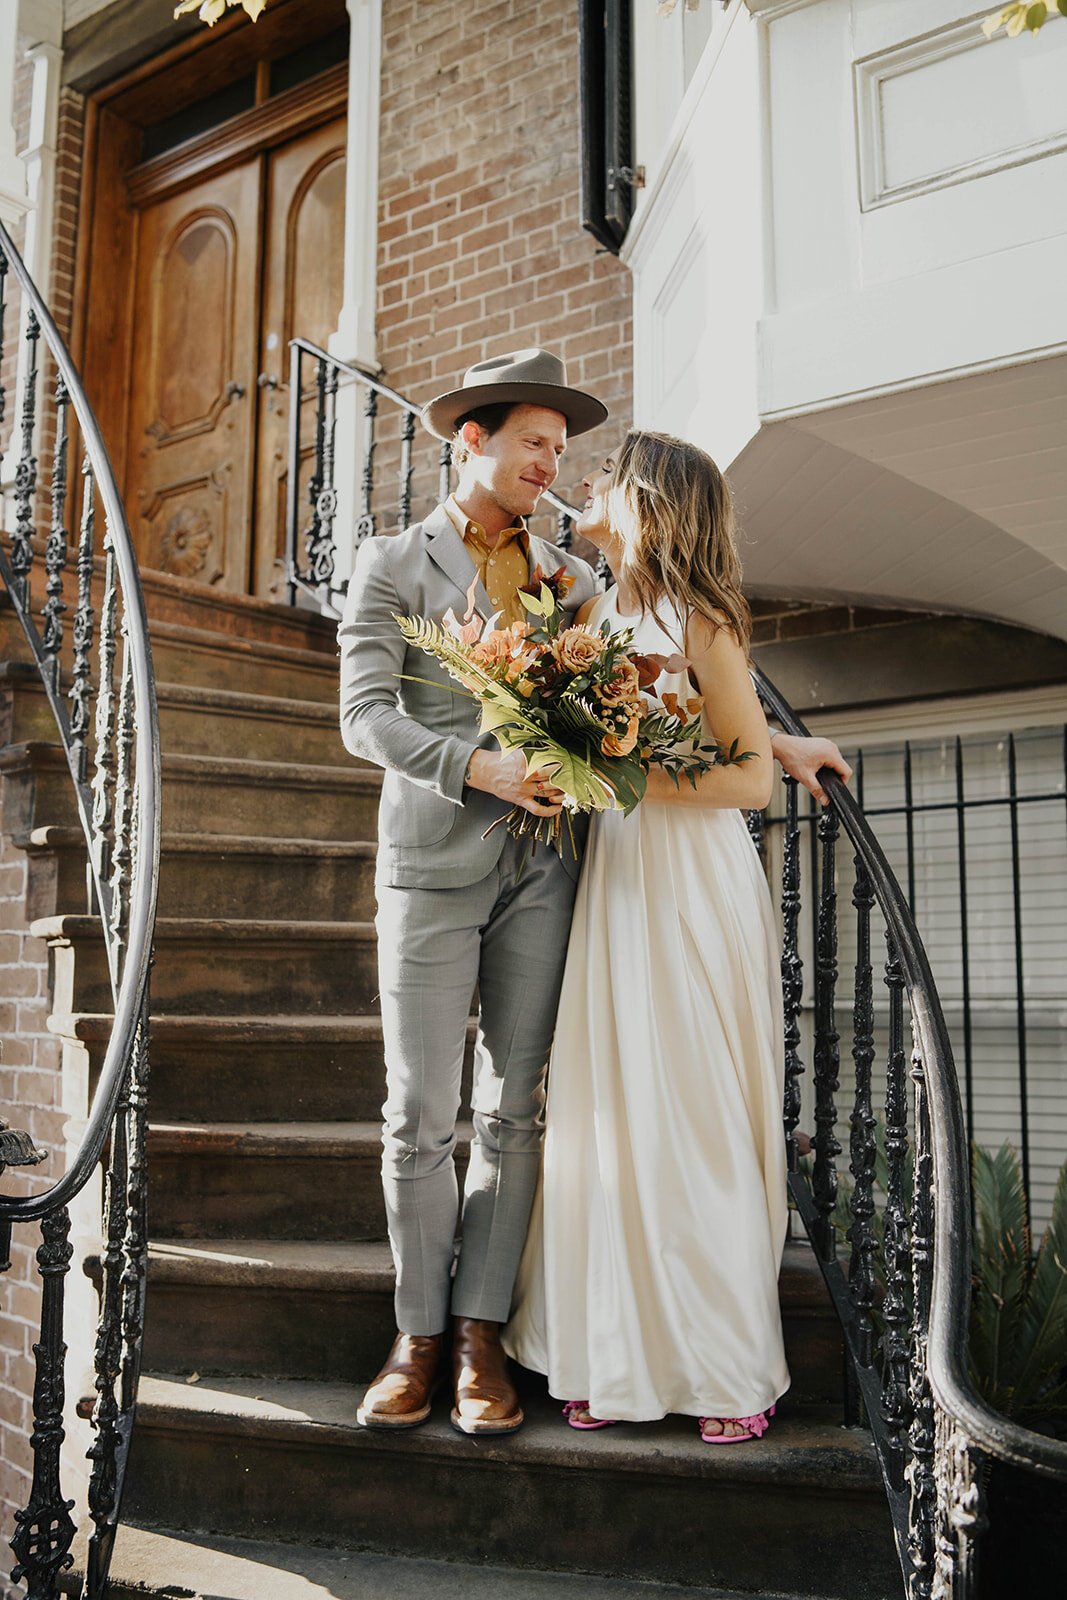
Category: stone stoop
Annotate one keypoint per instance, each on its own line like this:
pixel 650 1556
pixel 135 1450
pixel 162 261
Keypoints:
pixel 270 1280
pixel 217 1568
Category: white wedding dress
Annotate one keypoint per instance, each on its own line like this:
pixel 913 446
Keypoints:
pixel 649 1280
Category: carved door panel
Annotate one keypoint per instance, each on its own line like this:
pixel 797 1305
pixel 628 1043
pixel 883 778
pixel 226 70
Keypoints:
pixel 193 383
pixel 303 287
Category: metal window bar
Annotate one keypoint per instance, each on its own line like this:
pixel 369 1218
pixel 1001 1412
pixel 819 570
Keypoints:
pixel 1014 804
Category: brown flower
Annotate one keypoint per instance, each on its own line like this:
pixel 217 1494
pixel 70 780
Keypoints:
pixel 650 667
pixel 613 744
pixel 577 649
pixel 558 583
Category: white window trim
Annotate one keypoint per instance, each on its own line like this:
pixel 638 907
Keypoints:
pixel 932 719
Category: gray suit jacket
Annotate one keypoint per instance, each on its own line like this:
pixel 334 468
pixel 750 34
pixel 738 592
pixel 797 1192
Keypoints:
pixel 429 828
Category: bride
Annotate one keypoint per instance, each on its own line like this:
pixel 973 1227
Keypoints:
pixel 649 1281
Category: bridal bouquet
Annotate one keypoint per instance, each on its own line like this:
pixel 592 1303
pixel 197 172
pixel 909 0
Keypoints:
pixel 571 698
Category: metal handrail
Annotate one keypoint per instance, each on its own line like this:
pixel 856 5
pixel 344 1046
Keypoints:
pixel 119 809
pixel 133 984
pixel 947 1339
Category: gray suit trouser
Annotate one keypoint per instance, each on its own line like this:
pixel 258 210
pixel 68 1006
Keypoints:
pixel 507 934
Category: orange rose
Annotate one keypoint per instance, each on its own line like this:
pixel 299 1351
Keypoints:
pixel 577 649
pixel 613 744
pixel 503 645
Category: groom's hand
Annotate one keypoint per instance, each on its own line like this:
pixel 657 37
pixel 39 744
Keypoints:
pixel 507 778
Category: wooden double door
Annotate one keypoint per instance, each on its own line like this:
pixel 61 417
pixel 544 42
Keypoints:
pixel 227 269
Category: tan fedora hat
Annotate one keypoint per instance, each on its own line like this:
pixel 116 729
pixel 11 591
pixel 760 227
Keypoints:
pixel 527 377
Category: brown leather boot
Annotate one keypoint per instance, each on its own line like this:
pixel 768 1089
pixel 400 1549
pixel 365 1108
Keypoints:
pixel 486 1401
pixel 400 1395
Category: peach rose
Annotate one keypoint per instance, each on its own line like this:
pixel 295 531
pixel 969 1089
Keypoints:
pixel 613 744
pixel 623 687
pixel 577 649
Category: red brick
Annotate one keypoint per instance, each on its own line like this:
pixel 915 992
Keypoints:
pixel 18 981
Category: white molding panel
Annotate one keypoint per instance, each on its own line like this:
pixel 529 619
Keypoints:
pixel 912 136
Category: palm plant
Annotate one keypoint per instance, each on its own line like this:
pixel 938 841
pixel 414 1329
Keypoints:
pixel 1019 1310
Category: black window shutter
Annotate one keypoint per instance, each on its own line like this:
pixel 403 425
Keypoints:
pixel 605 99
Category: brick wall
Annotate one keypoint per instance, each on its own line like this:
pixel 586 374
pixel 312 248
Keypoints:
pixel 30 1095
pixel 480 245
pixel 69 178
pixel 777 620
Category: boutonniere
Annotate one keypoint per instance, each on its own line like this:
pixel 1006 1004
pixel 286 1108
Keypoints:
pixel 558 583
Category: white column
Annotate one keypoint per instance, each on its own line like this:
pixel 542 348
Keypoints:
pixel 355 339
pixel 12 171
pixel 39 159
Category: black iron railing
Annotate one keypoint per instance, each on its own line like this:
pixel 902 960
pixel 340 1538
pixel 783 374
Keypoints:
pixel 386 456
pixel 898 1271
pixel 98 681
pixel 973 826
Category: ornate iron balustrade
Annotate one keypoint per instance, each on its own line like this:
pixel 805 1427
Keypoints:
pixel 901 1283
pixel 312 501
pixel 940 805
pixel 99 684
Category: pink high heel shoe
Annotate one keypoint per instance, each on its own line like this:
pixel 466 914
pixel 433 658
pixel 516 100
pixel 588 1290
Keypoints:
pixel 571 1410
pixel 755 1427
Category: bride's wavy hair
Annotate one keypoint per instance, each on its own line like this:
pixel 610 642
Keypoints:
pixel 672 508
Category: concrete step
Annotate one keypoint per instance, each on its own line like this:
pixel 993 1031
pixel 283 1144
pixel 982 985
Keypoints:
pixel 269 1180
pixel 257 727
pixel 195 720
pixel 213 660
pixel 227 966
pixel 163 1563
pixel 801 1511
pixel 184 653
pixel 270 799
pixel 183 603
pixel 324 1309
pixel 236 616
pixel 259 1068
pixel 217 875
pixel 212 794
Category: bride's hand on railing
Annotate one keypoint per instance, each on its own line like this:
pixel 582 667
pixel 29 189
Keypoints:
pixel 804 759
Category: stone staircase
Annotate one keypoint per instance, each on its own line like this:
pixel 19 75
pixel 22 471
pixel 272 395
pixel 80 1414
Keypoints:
pixel 270 1281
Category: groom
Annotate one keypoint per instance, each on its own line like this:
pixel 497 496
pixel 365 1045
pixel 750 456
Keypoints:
pixel 456 909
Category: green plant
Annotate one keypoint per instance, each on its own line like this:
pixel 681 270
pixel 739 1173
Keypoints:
pixel 1019 1311
pixel 1023 15
pixel 1018 1331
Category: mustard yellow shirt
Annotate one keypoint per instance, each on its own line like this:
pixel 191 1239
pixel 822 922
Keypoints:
pixel 503 567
